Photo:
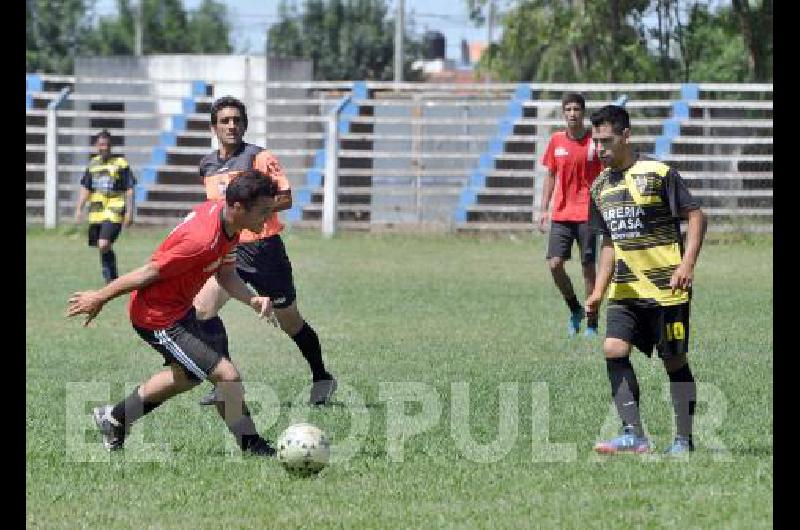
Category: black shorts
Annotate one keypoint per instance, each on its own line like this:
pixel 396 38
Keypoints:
pixel 105 230
pixel 666 328
pixel 564 233
pixel 185 343
pixel 265 265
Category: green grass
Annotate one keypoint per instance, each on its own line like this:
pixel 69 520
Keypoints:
pixel 388 309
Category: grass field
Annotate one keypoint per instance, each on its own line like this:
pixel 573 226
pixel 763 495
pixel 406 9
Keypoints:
pixel 392 309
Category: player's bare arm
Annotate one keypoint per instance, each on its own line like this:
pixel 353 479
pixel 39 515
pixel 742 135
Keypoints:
pixel 128 220
pixel 90 303
pixel 229 279
pixel 604 273
pixel 82 198
pixel 695 233
pixel 548 186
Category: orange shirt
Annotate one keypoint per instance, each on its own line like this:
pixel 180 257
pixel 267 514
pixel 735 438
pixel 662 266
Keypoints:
pixel 218 173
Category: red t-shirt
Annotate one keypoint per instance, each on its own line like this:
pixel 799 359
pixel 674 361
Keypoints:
pixel 576 165
pixel 190 254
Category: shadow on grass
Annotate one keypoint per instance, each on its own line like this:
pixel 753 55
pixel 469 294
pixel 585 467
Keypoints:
pixel 758 450
pixel 329 405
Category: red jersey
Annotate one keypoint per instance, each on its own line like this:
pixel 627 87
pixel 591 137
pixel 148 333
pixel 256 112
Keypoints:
pixel 576 165
pixel 190 254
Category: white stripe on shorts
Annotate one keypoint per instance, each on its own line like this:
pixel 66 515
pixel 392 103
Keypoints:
pixel 179 354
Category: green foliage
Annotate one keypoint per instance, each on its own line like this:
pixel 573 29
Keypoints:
pixel 114 35
pixel 755 22
pixel 209 29
pixel 345 39
pixel 164 27
pixel 718 32
pixel 549 40
pixel 608 41
pixel 58 31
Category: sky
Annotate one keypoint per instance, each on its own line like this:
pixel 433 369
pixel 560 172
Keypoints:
pixel 253 16
pixel 450 17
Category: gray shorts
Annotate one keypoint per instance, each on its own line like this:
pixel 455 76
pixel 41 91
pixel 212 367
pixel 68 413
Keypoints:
pixel 564 233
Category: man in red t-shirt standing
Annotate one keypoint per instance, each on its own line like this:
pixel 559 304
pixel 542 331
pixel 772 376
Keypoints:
pixel 573 166
pixel 162 313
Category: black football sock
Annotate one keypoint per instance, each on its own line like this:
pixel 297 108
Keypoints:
pixel 214 329
pixel 243 429
pixel 683 390
pixel 591 320
pixel 574 305
pixel 308 342
pixel 108 261
pixel 131 409
pixel 625 390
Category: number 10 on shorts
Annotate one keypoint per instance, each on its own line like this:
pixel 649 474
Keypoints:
pixel 675 331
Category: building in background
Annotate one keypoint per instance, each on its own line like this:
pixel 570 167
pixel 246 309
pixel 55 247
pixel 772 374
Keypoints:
pixel 437 68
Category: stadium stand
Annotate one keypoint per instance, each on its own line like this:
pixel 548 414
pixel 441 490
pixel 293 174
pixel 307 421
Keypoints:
pixel 410 155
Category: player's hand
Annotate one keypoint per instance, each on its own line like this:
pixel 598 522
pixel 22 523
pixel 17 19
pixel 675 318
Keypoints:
pixel 682 278
pixel 87 303
pixel 592 304
pixel 263 306
pixel 127 221
pixel 544 219
pixel 78 216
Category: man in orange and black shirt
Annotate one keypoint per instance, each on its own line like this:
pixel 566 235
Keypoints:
pixel 261 256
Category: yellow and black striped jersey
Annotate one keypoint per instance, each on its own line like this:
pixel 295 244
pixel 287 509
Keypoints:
pixel 107 181
pixel 639 209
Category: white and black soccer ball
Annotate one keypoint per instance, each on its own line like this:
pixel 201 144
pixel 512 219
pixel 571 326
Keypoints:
pixel 303 449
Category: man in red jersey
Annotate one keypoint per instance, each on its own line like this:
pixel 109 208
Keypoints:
pixel 162 312
pixel 573 166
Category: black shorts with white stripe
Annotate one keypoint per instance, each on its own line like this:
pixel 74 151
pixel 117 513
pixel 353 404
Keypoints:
pixel 185 343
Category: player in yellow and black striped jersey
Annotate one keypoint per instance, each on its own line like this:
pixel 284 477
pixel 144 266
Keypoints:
pixel 107 184
pixel 637 207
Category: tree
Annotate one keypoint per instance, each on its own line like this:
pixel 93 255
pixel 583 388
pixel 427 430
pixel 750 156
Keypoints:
pixel 166 28
pixel 56 32
pixel 714 50
pixel 114 35
pixel 570 40
pixel 608 40
pixel 755 22
pixel 345 39
pixel 209 29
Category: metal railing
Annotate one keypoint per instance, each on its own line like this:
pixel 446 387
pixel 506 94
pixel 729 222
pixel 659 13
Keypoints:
pixel 331 183
pixel 51 160
pixel 419 155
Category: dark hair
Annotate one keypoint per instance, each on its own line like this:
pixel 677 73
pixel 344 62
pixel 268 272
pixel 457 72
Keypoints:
pixel 228 101
pixel 103 134
pixel 616 116
pixel 573 97
pixel 248 187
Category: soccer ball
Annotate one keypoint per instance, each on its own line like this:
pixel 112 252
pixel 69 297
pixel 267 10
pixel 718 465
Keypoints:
pixel 303 449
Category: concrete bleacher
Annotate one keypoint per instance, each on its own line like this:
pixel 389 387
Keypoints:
pixel 449 157
pixel 722 147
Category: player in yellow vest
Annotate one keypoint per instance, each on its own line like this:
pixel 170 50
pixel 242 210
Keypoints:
pixel 107 185
pixel 637 207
